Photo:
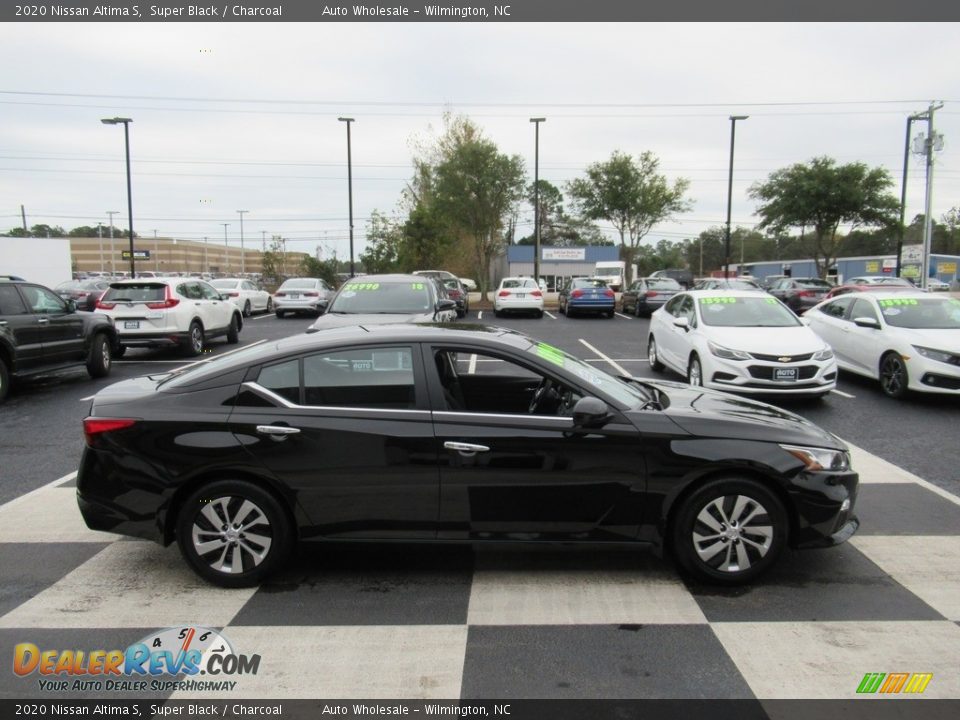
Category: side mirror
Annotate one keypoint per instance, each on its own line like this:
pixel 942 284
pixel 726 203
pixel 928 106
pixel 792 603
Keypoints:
pixel 71 305
pixel 224 297
pixel 445 304
pixel 682 322
pixel 866 322
pixel 590 412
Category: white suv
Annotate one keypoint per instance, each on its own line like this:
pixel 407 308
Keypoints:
pixel 169 312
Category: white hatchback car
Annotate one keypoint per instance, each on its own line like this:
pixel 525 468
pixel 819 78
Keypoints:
pixel 245 295
pixel 169 312
pixel 518 294
pixel 740 341
pixel 906 340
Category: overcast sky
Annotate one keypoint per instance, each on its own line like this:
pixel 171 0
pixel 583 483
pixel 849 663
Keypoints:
pixel 244 116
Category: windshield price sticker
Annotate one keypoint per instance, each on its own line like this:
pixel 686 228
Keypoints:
pixel 717 300
pixel 362 286
pixel 417 286
pixel 550 353
pixel 898 301
pixel 772 301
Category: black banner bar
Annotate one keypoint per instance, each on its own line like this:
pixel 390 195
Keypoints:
pixel 480 11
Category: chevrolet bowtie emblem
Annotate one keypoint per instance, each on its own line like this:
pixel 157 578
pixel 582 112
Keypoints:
pixel 784 359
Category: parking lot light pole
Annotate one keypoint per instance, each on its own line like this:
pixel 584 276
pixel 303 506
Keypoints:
pixel 126 138
pixel 226 248
pixel 536 198
pixel 113 250
pixel 349 189
pixel 243 265
pixel 903 194
pixel 726 245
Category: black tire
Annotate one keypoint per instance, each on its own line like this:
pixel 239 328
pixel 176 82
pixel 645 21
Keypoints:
pixel 636 309
pixel 653 356
pixel 247 312
pixel 538 314
pixel 206 544
pixel 713 545
pixel 118 352
pixel 269 305
pixel 609 314
pixel 233 332
pixel 280 314
pixel 893 376
pixel 695 371
pixel 4 381
pixel 195 341
pixel 99 361
pixel 496 313
pixel 561 309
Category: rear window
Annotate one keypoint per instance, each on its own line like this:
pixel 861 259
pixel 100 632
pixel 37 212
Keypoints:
pixel 663 284
pixel 136 292
pixel 224 284
pixel 301 283
pixel 519 283
pixel 589 283
pixel 814 284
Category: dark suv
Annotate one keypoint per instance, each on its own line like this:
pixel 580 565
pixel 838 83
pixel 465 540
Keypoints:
pixel 40 332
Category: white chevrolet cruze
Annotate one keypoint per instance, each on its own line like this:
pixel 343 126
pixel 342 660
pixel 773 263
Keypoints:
pixel 169 312
pixel 740 341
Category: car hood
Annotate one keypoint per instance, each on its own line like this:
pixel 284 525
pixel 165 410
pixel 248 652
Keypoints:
pixel 336 320
pixel 795 340
pixel 937 339
pixel 712 413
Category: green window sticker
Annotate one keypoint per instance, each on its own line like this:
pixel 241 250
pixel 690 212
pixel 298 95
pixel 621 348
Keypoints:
pixel 550 353
pixel 717 300
pixel 417 286
pixel 772 301
pixel 359 287
pixel 897 302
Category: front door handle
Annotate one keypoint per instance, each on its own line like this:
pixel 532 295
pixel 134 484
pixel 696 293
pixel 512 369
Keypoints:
pixel 466 448
pixel 277 430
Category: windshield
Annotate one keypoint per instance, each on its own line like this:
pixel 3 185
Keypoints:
pixel 383 297
pixel 299 284
pixel 759 311
pixel 922 313
pixel 224 284
pixel 629 395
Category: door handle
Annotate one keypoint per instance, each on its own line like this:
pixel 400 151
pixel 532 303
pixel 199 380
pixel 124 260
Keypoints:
pixel 43 321
pixel 466 448
pixel 277 430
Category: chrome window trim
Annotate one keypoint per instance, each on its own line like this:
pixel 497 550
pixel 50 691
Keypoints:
pixel 283 402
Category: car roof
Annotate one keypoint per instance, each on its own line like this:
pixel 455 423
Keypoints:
pixel 389 277
pixel 726 292
pixel 892 295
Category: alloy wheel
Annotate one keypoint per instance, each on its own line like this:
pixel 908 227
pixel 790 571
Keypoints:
pixel 231 534
pixel 732 533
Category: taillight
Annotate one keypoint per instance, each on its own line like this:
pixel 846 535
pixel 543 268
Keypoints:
pixel 504 293
pixel 608 293
pixel 93 426
pixel 651 293
pixel 536 293
pixel 101 305
pixel 805 293
pixel 279 294
pixel 233 294
pixel 311 294
pixel 576 293
pixel 168 302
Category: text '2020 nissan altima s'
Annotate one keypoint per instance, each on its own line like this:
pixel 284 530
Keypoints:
pixel 466 434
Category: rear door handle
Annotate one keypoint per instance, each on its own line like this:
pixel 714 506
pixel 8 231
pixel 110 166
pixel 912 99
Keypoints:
pixel 276 430
pixel 466 448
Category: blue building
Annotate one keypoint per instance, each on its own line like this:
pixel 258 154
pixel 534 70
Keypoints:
pixel 942 267
pixel 557 264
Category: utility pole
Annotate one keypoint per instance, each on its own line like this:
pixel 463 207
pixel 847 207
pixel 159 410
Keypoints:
pixel 726 246
pixel 536 194
pixel 100 236
pixel 349 191
pixel 932 142
pixel 226 247
pixel 113 250
pixel 903 195
pixel 23 217
pixel 243 264
pixel 156 250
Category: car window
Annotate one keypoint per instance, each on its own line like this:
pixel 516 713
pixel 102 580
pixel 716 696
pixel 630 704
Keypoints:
pixel 759 311
pixel 837 308
pixel 663 284
pixel 41 300
pixel 673 304
pixel 208 292
pixel 814 284
pixel 136 292
pixel 863 309
pixel 283 379
pixel 380 377
pixel 589 283
pixel 299 283
pixel 247 285
pixel 357 297
pixel 10 301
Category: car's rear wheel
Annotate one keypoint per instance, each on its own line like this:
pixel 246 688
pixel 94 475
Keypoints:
pixel 233 533
pixel 4 381
pixel 194 343
pixel 269 304
pixel 652 355
pixel 893 375
pixel 695 372
pixel 281 314
pixel 636 309
pixel 609 314
pixel 247 312
pixel 233 332
pixel 99 360
pixel 729 531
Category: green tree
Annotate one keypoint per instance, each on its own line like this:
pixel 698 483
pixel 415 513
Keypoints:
pixel 630 194
pixel 476 188
pixel 424 241
pixel 383 245
pixel 557 228
pixel 273 261
pixel 822 196
pixel 323 269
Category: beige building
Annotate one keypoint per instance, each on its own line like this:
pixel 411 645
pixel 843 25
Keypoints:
pixel 169 255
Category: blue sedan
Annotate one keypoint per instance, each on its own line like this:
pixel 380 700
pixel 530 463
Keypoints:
pixel 587 295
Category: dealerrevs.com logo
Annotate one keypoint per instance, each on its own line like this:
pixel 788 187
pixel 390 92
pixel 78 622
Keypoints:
pixel 894 683
pixel 158 662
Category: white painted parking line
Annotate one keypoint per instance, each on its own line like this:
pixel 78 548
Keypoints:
pixel 550 315
pixel 619 360
pixel 89 397
pixel 596 352
pixel 261 317
pixel 479 315
pixel 625 317
pixel 33 493
pixel 843 394
pixel 472 367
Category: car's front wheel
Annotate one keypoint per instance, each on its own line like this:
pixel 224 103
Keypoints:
pixel 729 531
pixel 893 375
pixel 655 364
pixel 233 533
pixel 269 304
pixel 695 372
pixel 4 381
pixel 233 332
pixel 99 360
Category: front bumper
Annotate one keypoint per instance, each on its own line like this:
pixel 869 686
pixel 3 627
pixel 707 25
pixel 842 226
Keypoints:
pixel 757 377
pixel 825 508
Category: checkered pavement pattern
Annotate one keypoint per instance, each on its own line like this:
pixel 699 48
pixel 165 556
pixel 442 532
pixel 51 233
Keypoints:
pixel 405 622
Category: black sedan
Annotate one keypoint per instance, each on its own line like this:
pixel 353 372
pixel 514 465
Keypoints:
pixel 648 294
pixel 466 434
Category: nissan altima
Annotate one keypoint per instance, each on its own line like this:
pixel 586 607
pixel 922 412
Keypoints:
pixel 468 434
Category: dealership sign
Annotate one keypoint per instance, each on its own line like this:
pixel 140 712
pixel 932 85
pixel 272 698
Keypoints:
pixel 564 254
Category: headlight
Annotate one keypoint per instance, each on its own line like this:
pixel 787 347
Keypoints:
pixel 726 353
pixel 932 354
pixel 819 458
pixel 825 354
